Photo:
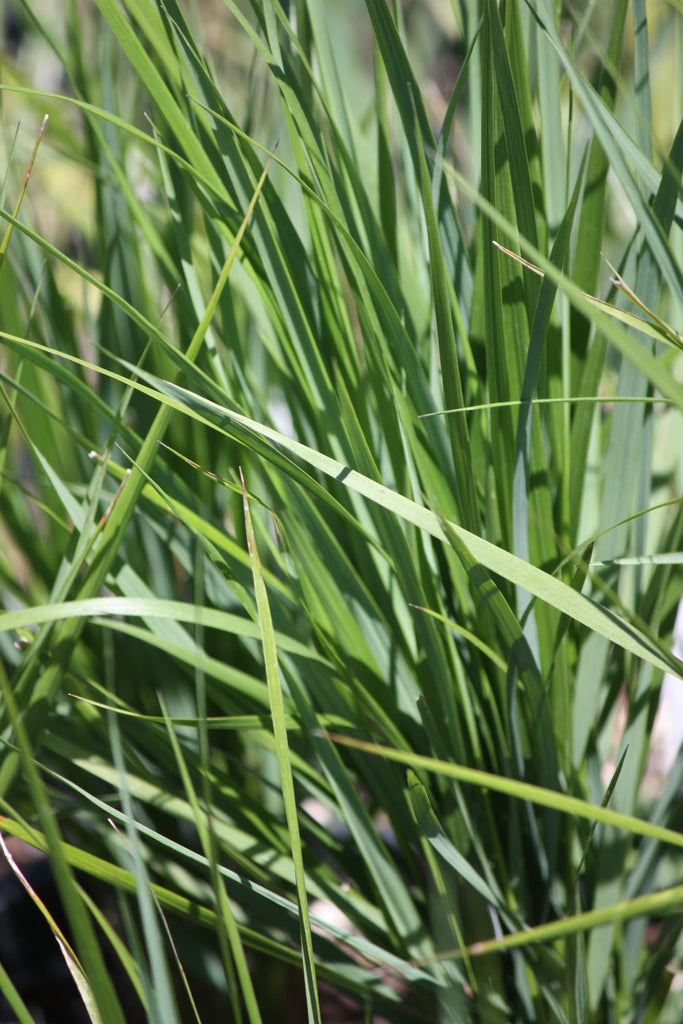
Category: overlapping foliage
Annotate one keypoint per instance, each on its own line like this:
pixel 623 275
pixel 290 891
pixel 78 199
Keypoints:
pixel 343 518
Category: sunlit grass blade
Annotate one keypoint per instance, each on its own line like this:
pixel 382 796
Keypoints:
pixel 657 329
pixel 446 909
pixel 230 941
pixel 618 151
pixel 180 904
pixel 519 790
pixel 494 558
pixel 664 903
pixel 156 981
pixel 8 232
pixel 393 677
pixel 284 764
pixel 74 967
pixel 621 339
pixel 113 530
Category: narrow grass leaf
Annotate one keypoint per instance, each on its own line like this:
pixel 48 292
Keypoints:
pixel 74 967
pixel 520 790
pixel 499 561
pixel 14 1000
pixel 8 232
pixel 450 372
pixel 428 822
pixel 81 926
pixel 282 750
pixel 618 151
pixel 44 687
pixel 665 902
pixel 228 926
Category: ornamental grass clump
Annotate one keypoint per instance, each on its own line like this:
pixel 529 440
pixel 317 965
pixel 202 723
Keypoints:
pixel 340 506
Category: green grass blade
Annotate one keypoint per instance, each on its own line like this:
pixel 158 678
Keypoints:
pixel 14 1000
pixel 519 790
pixel 618 151
pixel 79 921
pixel 452 385
pixel 228 926
pixel 499 561
pixel 113 530
pixel 284 763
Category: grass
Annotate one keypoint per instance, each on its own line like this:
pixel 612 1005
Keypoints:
pixel 341 525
